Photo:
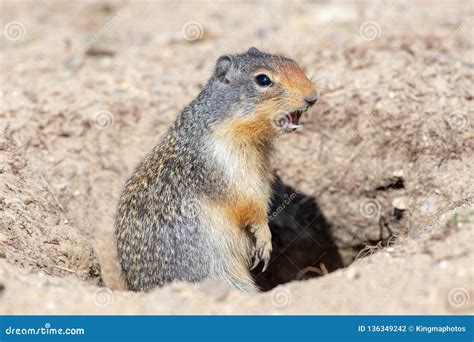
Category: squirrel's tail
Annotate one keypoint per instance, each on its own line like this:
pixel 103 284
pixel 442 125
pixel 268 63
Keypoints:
pixel 244 285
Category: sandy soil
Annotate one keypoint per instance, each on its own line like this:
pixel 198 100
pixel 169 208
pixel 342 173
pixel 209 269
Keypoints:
pixel 381 173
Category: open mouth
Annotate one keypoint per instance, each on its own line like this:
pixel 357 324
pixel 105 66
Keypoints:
pixel 295 118
pixel 288 121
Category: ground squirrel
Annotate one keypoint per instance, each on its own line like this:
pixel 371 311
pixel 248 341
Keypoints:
pixel 196 206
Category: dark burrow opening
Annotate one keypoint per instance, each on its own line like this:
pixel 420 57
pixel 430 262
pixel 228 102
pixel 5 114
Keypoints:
pixel 303 246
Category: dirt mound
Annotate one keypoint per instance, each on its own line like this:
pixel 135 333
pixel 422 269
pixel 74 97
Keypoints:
pixel 382 166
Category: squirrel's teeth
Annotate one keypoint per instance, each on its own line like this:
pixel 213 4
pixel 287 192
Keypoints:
pixel 291 121
pixel 292 126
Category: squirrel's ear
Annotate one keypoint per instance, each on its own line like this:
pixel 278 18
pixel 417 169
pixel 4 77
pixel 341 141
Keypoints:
pixel 223 66
pixel 254 51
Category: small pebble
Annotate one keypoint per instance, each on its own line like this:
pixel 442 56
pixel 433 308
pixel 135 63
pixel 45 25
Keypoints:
pixel 400 203
pixel 398 174
pixel 352 273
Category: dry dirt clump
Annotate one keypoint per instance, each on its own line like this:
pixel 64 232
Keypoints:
pixel 381 172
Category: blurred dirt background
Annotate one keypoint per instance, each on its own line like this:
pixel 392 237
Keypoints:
pixel 381 173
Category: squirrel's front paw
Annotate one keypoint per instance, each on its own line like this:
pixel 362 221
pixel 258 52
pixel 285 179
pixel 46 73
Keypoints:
pixel 263 246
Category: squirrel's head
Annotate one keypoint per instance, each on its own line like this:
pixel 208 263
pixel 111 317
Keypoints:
pixel 268 93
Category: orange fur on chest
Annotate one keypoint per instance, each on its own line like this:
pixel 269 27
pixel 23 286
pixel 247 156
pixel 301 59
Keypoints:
pixel 243 213
pixel 245 145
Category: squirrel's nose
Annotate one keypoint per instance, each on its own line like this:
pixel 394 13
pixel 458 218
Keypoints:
pixel 312 98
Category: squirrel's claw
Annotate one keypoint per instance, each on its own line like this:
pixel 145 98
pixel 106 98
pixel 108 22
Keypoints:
pixel 261 252
pixel 265 265
pixel 256 260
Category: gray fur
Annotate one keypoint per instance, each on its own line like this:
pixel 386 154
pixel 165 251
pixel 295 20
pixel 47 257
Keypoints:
pixel 160 236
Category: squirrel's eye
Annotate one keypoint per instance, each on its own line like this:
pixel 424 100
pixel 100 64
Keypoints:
pixel 263 80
